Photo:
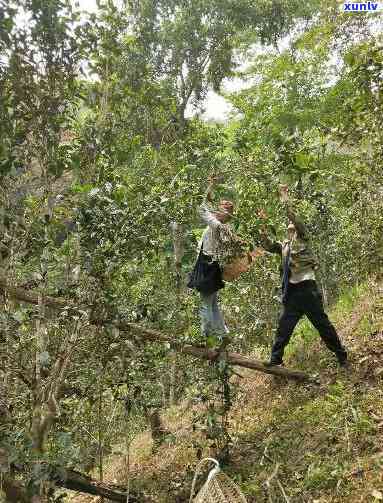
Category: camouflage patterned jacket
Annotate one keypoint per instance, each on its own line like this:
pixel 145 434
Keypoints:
pixel 302 262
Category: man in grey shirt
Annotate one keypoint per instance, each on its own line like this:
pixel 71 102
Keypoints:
pixel 212 321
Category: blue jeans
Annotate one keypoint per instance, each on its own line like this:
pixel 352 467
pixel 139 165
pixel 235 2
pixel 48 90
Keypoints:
pixel 212 321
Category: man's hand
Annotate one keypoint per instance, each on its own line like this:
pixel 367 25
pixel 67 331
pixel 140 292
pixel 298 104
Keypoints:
pixel 209 193
pixel 213 180
pixel 257 252
pixel 261 214
pixel 284 193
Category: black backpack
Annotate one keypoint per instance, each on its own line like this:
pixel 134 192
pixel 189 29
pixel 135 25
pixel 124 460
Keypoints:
pixel 206 276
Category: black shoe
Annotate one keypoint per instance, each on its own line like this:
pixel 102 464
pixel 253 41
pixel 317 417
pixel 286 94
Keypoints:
pixel 226 340
pixel 274 363
pixel 343 359
pixel 344 363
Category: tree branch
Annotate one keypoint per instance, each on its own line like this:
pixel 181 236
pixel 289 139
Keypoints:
pixel 156 336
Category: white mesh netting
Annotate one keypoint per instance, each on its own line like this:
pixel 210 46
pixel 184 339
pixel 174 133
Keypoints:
pixel 218 488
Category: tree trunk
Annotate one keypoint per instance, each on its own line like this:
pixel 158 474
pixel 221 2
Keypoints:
pixel 157 429
pixel 100 433
pixel 173 375
pixel 178 233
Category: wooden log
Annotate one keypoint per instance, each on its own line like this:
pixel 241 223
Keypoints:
pixel 32 298
pixel 211 354
pixel 15 490
pixel 76 481
pixel 152 335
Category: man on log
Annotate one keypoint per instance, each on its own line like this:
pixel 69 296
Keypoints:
pixel 300 294
pixel 207 274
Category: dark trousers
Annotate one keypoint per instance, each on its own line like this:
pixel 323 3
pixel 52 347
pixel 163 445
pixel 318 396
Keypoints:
pixel 304 299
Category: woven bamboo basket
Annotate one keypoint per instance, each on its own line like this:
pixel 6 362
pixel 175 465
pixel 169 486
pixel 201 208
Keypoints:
pixel 234 269
pixel 240 265
pixel 218 488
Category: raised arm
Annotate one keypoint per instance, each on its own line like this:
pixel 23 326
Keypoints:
pixel 298 223
pixel 204 211
pixel 268 244
pixel 208 217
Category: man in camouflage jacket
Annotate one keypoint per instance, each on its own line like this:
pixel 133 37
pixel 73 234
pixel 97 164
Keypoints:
pixel 300 294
